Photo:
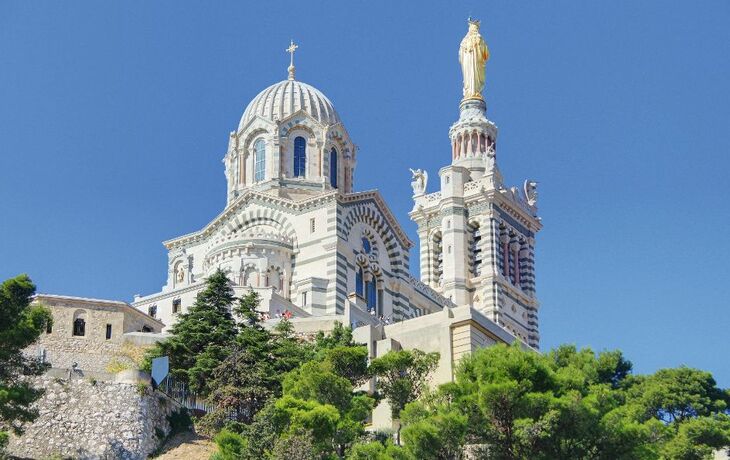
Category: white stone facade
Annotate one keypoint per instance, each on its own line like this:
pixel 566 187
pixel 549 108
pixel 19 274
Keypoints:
pixel 295 231
pixel 298 234
pixel 478 236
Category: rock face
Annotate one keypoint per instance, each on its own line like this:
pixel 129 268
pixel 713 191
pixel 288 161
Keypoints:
pixel 84 419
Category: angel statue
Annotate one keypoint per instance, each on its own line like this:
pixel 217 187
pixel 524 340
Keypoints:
pixel 490 159
pixel 419 181
pixel 531 192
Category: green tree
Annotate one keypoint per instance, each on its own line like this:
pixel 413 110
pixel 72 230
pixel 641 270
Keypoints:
pixel 298 445
pixel 401 377
pixel 318 397
pixel 20 326
pixel 288 352
pixel 697 438
pixel 674 395
pixel 201 338
pixel 375 450
pixel 433 435
pixel 253 368
pixel 316 382
pixel 243 382
pixel 510 403
pixel 231 446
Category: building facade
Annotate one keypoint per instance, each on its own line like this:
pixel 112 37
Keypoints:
pixel 88 334
pixel 295 230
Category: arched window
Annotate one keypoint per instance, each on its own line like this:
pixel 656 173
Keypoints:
pixel 475 251
pixel 259 166
pixel 358 283
pixel 333 168
pixel 249 277
pixel 274 279
pixel 437 259
pixel 79 324
pixel 300 156
pixel 79 327
pixel 371 295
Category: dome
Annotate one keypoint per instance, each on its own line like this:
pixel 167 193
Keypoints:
pixel 282 99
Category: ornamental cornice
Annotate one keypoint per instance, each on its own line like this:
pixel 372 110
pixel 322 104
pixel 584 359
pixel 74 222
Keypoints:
pixel 248 197
pixel 383 207
pixel 257 119
pixel 518 212
pixel 427 291
pixel 164 295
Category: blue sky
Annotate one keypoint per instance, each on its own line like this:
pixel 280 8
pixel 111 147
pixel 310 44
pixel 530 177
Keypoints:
pixel 114 118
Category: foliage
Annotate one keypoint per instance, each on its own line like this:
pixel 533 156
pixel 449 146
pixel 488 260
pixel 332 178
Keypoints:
pixel 241 385
pixel 317 411
pixel 278 397
pixel 231 446
pixel 135 353
pixel 179 421
pixel 251 372
pixel 510 403
pixel 375 450
pixel 115 366
pixel 298 445
pixel 20 326
pixel 320 401
pixel 402 376
pixel 142 388
pixel 201 337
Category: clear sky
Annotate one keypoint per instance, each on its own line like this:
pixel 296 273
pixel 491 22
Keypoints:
pixel 114 118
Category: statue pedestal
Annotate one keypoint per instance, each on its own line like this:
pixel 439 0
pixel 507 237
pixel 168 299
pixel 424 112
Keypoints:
pixel 473 104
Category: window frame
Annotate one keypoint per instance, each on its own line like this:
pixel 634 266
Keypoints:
pixel 333 167
pixel 79 327
pixel 259 160
pixel 299 156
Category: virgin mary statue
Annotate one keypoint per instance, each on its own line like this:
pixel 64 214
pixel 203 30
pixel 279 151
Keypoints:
pixel 473 56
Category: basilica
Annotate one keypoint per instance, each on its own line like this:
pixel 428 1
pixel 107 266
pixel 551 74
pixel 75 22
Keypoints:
pixel 296 231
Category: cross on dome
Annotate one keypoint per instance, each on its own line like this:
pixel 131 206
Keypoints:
pixel 292 48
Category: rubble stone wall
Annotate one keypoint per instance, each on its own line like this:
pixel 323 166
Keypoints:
pixel 86 419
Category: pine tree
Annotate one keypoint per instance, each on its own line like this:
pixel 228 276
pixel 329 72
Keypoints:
pixel 20 325
pixel 202 337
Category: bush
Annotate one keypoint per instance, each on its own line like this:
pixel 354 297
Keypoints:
pixel 231 446
pixel 180 421
pixel 142 388
pixel 115 366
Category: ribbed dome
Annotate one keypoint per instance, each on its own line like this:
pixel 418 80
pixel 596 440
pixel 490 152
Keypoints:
pixel 282 99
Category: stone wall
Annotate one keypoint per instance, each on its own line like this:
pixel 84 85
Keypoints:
pixel 86 419
pixel 104 337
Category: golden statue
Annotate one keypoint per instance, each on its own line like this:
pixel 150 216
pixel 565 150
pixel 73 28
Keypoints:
pixel 473 56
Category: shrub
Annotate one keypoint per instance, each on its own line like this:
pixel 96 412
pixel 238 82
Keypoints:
pixel 115 366
pixel 231 446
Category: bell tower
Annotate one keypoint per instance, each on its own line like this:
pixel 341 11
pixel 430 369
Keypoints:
pixel 477 236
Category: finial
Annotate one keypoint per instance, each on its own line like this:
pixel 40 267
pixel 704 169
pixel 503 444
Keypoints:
pixel 290 50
